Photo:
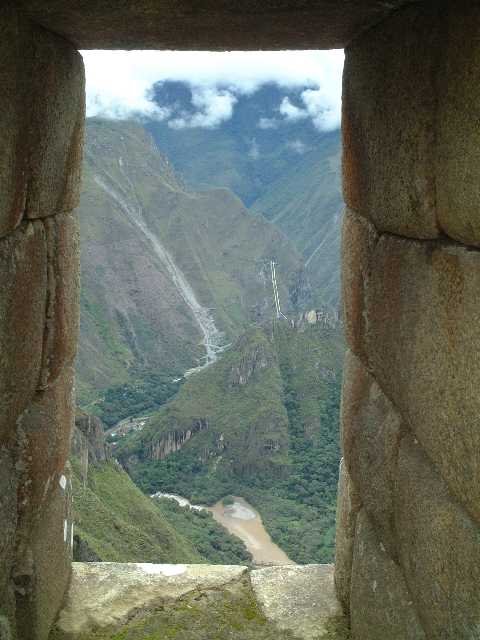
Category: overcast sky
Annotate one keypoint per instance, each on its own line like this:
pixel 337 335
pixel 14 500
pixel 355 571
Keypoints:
pixel 119 83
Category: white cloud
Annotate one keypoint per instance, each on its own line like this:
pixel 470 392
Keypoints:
pixel 119 82
pixel 324 113
pixel 298 146
pixel 213 107
pixel 254 151
pixel 268 123
pixel 290 111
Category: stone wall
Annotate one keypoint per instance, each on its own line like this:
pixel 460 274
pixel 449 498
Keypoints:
pixel 408 539
pixel 408 519
pixel 41 116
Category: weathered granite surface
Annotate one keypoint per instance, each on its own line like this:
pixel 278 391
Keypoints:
pixel 389 111
pixel 210 24
pixel 348 506
pixel 300 599
pixel 110 600
pixel 381 606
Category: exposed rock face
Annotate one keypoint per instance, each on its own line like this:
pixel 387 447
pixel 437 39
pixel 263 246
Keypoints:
pixel 89 436
pixel 174 440
pixel 412 316
pixel 88 442
pixel 253 360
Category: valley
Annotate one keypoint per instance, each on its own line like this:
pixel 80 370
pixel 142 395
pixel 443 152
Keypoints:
pixel 203 392
pixel 243 521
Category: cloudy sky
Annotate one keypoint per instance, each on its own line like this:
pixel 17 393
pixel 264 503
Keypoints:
pixel 119 84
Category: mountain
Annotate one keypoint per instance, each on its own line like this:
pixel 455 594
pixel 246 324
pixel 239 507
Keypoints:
pixel 245 152
pixel 168 274
pixel 306 203
pixel 283 168
pixel 262 422
pixel 115 522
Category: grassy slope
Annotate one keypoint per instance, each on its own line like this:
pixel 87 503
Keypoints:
pixel 290 403
pixel 121 524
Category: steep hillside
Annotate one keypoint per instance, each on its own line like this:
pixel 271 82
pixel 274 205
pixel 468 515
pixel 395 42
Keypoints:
pixel 306 204
pixel 168 275
pixel 262 422
pixel 283 168
pixel 116 522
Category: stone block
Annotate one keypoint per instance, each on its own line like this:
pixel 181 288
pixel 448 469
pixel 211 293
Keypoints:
pixel 62 315
pixel 42 573
pixel 23 265
pixel 458 137
pixel 56 118
pixel 389 119
pixel 103 596
pixel 299 599
pixel 8 523
pixel 43 539
pixel 348 506
pixel 439 548
pixel 42 117
pixel 422 324
pixel 44 431
pixel 358 242
pixel 381 606
pixel 371 430
pixel 13 179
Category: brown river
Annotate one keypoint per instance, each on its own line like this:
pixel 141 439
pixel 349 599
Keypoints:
pixel 243 521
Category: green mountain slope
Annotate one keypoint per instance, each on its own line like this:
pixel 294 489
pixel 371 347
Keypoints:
pixel 120 524
pixel 143 237
pixel 263 423
pixel 115 522
pixel 306 204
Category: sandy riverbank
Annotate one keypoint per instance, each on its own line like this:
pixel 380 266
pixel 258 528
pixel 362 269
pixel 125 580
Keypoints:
pixel 243 521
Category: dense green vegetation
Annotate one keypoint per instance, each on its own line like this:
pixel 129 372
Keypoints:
pixel 272 439
pixel 210 539
pixel 120 524
pixel 116 522
pixel 146 392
